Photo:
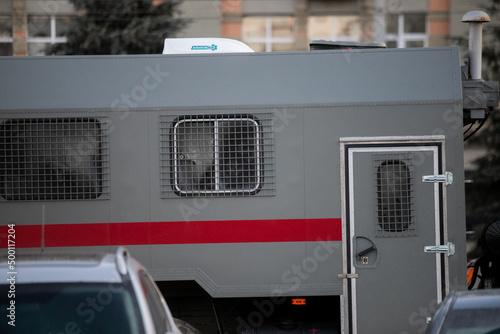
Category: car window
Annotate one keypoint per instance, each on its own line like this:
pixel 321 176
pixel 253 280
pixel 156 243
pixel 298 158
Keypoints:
pixel 73 308
pixel 478 320
pixel 155 304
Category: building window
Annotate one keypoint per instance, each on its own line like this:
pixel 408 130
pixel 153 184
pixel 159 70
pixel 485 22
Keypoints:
pixel 217 155
pixel 275 33
pixel 53 159
pixel 44 31
pixel 406 30
pixel 6 36
pixel 334 28
pixel 394 196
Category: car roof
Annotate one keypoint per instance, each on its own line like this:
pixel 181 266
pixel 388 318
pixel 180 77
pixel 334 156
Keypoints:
pixel 56 267
pixel 487 298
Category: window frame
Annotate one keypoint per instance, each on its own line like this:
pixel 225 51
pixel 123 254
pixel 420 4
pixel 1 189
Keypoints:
pixel 153 298
pixel 217 155
pixel 394 195
pixel 402 38
pixel 16 152
pixel 268 39
pixel 335 22
pixel 9 41
pixel 52 39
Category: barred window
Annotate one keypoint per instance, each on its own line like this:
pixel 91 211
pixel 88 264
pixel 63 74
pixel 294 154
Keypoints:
pixel 53 159
pixel 223 155
pixel 394 198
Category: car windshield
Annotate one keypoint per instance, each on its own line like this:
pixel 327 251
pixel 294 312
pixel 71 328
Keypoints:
pixel 473 321
pixel 71 308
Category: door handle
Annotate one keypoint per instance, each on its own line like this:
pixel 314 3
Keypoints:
pixel 366 251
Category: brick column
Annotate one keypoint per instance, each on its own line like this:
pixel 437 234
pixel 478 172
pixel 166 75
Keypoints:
pixel 20 28
pixel 301 15
pixel 366 17
pixel 231 17
pixel 439 22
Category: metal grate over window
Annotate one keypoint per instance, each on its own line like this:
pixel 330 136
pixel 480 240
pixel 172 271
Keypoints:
pixel 395 214
pixel 217 155
pixel 54 159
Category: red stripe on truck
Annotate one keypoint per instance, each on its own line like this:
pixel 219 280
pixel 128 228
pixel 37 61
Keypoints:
pixel 182 232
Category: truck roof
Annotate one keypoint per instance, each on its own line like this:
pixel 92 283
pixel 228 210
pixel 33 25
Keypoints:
pixel 331 77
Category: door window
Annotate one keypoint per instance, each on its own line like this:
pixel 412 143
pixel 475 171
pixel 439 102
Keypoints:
pixel 394 196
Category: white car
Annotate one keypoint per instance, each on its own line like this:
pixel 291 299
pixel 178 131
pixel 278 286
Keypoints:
pixel 76 294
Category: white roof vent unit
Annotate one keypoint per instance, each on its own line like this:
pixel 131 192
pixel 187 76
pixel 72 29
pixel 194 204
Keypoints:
pixel 203 45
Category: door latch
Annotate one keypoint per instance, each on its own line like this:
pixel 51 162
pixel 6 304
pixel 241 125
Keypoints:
pixel 446 178
pixel 448 249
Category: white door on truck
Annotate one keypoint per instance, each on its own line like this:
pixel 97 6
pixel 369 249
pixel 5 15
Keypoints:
pixel 391 215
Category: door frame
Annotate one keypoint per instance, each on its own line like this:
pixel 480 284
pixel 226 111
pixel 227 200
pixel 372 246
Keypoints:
pixel 349 145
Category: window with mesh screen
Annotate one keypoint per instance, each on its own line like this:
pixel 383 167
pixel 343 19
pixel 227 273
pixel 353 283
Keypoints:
pixel 53 159
pixel 394 196
pixel 217 155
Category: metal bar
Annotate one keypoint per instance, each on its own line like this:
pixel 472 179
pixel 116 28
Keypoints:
pixel 475 20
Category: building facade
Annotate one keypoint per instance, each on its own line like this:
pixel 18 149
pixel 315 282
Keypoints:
pixel 26 27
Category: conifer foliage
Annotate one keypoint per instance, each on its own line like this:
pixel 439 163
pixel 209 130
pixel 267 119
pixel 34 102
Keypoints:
pixel 120 27
pixel 483 195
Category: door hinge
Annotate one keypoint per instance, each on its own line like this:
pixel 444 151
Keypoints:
pixel 342 276
pixel 446 178
pixel 448 249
